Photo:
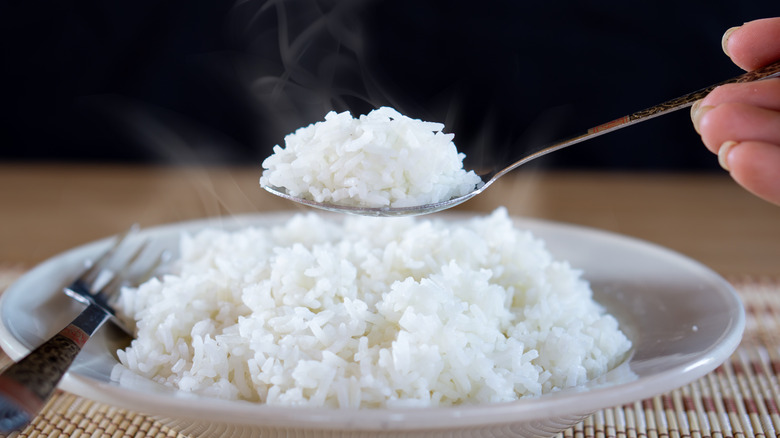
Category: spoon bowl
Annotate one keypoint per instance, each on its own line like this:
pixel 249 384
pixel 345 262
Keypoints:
pixel 770 71
pixel 415 210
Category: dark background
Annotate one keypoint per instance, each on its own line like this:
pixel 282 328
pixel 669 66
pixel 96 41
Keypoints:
pixel 221 82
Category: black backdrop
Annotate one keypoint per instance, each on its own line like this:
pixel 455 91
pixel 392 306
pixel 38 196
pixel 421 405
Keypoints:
pixel 222 81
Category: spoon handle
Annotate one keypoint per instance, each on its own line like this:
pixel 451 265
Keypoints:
pixel 769 71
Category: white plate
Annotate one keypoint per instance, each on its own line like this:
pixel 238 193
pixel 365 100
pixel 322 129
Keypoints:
pixel 683 319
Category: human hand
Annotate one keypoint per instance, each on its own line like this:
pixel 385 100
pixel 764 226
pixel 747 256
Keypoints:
pixel 741 122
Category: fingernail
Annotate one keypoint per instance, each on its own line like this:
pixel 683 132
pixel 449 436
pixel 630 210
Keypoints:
pixel 695 109
pixel 697 113
pixel 724 42
pixel 723 154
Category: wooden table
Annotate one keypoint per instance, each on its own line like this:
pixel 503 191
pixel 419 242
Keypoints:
pixel 50 208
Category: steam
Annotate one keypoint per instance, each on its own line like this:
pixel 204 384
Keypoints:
pixel 289 62
pixel 319 63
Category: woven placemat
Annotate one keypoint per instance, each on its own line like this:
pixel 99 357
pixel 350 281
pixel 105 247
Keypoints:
pixel 739 399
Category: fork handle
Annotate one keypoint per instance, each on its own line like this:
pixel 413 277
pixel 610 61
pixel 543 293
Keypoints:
pixel 25 386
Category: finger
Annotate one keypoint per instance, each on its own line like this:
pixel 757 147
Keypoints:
pixel 754 165
pixel 764 94
pixel 754 44
pixel 737 122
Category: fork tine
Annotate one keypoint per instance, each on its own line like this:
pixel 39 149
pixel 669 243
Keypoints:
pixel 93 270
pixel 161 258
pixel 118 277
pixel 114 289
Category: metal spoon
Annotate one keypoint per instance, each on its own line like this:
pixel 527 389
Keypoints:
pixel 770 71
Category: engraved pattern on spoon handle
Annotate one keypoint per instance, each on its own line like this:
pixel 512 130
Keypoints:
pixel 769 71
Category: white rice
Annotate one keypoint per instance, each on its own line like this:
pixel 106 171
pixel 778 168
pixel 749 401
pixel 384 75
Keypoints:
pixel 369 312
pixel 377 160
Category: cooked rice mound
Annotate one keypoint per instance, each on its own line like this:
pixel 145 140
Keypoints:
pixel 367 312
pixel 382 159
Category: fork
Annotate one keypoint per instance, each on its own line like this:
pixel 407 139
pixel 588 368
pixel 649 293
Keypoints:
pixel 26 385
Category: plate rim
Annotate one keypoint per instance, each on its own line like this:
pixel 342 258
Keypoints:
pixel 553 404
